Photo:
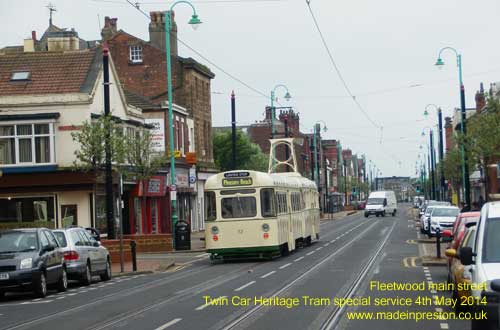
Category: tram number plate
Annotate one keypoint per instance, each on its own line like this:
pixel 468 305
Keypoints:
pixel 233 182
pixel 4 276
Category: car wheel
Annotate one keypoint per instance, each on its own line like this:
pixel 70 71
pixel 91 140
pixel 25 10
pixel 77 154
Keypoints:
pixel 41 286
pixel 86 276
pixel 394 213
pixel 2 295
pixel 107 273
pixel 62 284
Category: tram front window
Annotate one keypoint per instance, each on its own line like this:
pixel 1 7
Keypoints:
pixel 268 202
pixel 238 207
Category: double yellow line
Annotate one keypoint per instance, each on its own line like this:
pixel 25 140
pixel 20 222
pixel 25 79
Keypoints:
pixel 410 262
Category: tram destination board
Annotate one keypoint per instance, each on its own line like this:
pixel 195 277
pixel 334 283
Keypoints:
pixel 236 174
pixel 234 182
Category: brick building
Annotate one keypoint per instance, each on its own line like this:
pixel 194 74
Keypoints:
pixel 141 67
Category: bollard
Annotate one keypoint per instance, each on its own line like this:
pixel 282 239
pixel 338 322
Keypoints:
pixel 438 242
pixel 134 256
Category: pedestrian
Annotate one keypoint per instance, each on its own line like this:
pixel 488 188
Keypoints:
pixel 465 207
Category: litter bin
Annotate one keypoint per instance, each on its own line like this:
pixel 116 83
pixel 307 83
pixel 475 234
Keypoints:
pixel 182 236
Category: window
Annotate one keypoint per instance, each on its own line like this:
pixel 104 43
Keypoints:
pixel 239 207
pixel 210 206
pixel 267 202
pixel 20 76
pixel 69 215
pixel 44 241
pixel 136 54
pixel 77 239
pixel 491 245
pixel 61 238
pixel 27 144
pixel 51 238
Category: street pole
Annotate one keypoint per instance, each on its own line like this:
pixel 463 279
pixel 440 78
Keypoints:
pixel 173 189
pixel 233 129
pixel 433 169
pixel 110 218
pixel 465 167
pixel 429 169
pixel 316 175
pixel 273 110
pixel 441 154
pixel 287 151
pixel 345 181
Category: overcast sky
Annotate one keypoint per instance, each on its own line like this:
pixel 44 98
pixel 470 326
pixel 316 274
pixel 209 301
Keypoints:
pixel 384 49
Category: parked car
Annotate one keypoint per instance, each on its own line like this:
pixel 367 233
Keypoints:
pixel 483 257
pixel 418 201
pixel 31 260
pixel 458 274
pixel 84 256
pixel 441 218
pixel 381 203
pixel 424 219
pixel 463 221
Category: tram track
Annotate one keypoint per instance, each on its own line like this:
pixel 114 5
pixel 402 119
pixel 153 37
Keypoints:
pixel 125 293
pixel 333 317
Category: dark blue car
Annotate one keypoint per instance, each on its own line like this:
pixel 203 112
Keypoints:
pixel 31 259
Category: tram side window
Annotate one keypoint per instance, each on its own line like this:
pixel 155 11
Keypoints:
pixel 238 207
pixel 210 206
pixel 268 202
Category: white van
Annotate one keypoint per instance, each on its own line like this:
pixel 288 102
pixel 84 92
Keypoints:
pixel 482 263
pixel 381 203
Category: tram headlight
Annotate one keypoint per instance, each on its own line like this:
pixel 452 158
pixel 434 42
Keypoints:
pixel 214 230
pixel 265 227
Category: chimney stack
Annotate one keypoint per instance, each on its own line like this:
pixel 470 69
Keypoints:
pixel 448 132
pixel 157 31
pixel 109 29
pixel 480 99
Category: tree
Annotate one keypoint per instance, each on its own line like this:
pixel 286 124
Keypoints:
pixel 483 137
pixel 91 156
pixel 248 155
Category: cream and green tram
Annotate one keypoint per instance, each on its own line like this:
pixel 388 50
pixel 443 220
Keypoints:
pixel 254 214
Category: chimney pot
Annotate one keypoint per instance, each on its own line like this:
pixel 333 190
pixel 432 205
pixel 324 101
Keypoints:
pixel 33 36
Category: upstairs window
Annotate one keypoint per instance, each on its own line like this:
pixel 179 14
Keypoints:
pixel 27 144
pixel 136 54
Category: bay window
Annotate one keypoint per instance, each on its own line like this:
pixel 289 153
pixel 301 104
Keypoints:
pixel 27 144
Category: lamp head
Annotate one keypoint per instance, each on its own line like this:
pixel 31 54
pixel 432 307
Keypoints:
pixel 439 63
pixel 423 133
pixel 426 113
pixel 288 96
pixel 195 22
pixel 325 129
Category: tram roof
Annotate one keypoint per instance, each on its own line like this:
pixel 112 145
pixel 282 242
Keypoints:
pixel 240 178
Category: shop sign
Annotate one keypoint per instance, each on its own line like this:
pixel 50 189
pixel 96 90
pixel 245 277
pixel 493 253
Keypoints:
pixel 182 179
pixel 157 134
pixel 191 158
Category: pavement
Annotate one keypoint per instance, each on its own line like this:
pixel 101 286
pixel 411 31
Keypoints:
pixel 352 253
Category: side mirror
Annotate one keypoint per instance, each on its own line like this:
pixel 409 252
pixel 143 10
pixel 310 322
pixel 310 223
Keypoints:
pixel 495 285
pixel 466 255
pixel 96 244
pixel 48 248
pixel 452 253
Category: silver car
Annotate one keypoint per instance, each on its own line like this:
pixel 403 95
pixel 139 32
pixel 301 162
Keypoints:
pixel 84 256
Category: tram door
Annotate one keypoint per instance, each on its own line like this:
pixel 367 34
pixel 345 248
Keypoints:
pixel 291 231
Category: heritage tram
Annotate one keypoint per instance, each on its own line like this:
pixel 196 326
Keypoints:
pixel 255 214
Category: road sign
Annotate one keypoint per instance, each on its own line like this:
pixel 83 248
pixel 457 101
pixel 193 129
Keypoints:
pixel 173 187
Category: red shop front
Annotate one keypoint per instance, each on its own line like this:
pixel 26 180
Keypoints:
pixel 150 207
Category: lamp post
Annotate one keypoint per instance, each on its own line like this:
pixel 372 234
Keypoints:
pixel 465 167
pixel 432 163
pixel 442 189
pixel 194 22
pixel 317 179
pixel 273 112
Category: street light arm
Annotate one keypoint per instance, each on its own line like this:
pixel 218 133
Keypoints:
pixel 280 86
pixel 185 2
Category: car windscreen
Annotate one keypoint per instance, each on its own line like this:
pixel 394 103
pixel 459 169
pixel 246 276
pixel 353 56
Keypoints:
pixel 375 201
pixel 442 212
pixel 238 207
pixel 18 241
pixel 491 245
pixel 61 238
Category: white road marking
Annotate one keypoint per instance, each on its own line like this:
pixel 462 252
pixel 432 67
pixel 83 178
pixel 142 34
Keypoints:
pixel 319 248
pixel 444 326
pixel 439 310
pixel 36 302
pixel 37 299
pixel 284 266
pixel 58 298
pixel 168 324
pixel 298 259
pixel 268 274
pixel 244 286
pixel 200 255
pixel 433 291
pixel 71 294
pixel 325 245
pixel 333 240
pixel 309 253
pixel 202 307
